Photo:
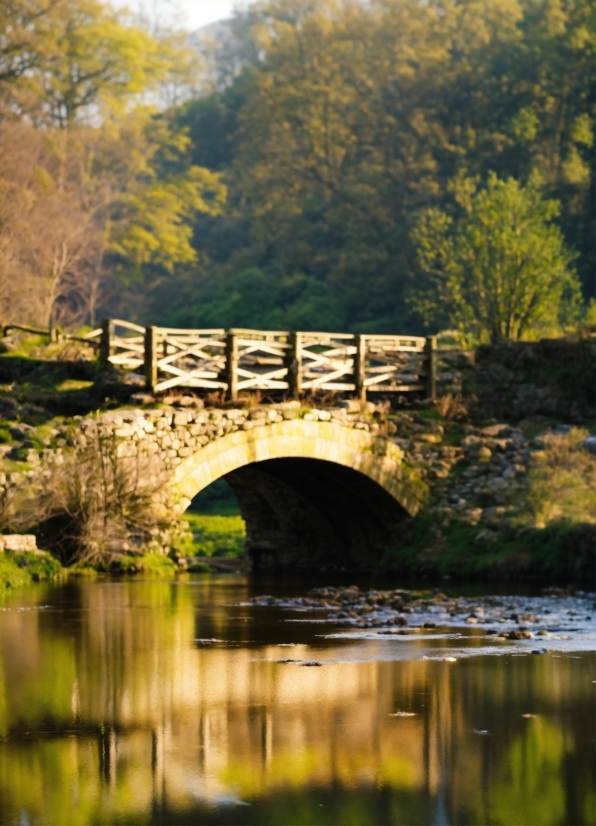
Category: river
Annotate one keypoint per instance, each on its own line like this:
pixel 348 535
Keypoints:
pixel 139 701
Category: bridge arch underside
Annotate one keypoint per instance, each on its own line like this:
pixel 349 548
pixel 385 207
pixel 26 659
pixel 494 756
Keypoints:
pixel 311 493
pixel 304 513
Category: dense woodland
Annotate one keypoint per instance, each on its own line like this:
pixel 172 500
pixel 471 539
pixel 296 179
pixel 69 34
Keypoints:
pixel 389 166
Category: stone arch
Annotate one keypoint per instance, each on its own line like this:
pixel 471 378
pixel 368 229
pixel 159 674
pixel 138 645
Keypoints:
pixel 310 492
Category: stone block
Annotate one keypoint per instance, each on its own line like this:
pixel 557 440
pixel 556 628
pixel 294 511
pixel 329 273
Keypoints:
pixel 125 431
pixel 18 543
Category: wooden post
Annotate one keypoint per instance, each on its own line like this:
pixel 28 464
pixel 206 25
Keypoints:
pixel 105 343
pixel 150 357
pixel 360 367
pixel 431 367
pixel 232 366
pixel 295 365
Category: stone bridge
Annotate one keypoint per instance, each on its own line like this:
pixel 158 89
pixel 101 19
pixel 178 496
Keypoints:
pixel 314 486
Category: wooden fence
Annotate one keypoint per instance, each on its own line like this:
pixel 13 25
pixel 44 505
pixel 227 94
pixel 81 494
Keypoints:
pixel 241 360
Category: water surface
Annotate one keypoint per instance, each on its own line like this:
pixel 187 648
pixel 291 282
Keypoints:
pixel 164 702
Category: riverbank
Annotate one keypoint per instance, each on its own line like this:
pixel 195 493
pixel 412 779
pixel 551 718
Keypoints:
pixel 21 569
pixel 501 505
pixel 502 499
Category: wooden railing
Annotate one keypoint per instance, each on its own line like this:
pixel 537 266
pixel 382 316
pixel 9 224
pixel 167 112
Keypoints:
pixel 122 343
pixel 187 358
pixel 240 360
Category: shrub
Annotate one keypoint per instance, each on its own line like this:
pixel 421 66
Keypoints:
pixel 98 502
pixel 451 407
pixel 198 568
pixel 562 483
pixel 155 564
pixel 22 569
pixel 11 576
pixel 38 566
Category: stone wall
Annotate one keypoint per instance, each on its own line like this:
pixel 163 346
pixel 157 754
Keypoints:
pixel 514 380
pixel 176 433
pixel 18 543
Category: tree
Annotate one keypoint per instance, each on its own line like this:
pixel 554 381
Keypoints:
pixel 499 269
pixel 335 121
pixel 78 203
pixel 68 60
pixel 50 225
pixel 156 192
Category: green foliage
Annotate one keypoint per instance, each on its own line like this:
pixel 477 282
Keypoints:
pixel 562 483
pixel 66 59
pixel 82 570
pixel 258 298
pixel 215 535
pixel 590 317
pixel 152 564
pixel 561 551
pixel 285 196
pixel 159 192
pixel 218 500
pixel 24 568
pixel 499 270
pixel 38 566
pixel 93 182
pixel 11 575
pixel 335 123
pixel 198 568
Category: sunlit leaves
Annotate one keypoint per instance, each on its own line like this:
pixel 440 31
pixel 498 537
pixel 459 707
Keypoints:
pixel 155 223
pixel 499 270
pixel 63 61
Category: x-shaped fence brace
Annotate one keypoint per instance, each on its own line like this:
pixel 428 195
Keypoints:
pixel 193 358
pixel 241 359
pixel 325 358
pixel 261 359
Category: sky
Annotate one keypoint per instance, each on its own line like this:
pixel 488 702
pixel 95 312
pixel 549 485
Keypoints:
pixel 193 14
pixel 201 12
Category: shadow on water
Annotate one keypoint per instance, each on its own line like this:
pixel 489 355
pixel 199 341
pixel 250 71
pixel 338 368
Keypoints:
pixel 163 702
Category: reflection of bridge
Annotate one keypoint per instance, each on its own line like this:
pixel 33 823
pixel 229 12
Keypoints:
pixel 295 363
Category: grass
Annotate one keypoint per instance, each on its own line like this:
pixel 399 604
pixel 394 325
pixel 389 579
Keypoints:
pixel 215 535
pixel 83 570
pixel 23 569
pixel 11 576
pixel 69 385
pixel 198 568
pixel 561 551
pixel 153 564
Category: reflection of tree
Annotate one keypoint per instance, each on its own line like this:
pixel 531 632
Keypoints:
pixel 530 782
pixel 162 723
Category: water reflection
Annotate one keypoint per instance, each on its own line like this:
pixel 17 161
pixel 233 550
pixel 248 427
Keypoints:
pixel 112 711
